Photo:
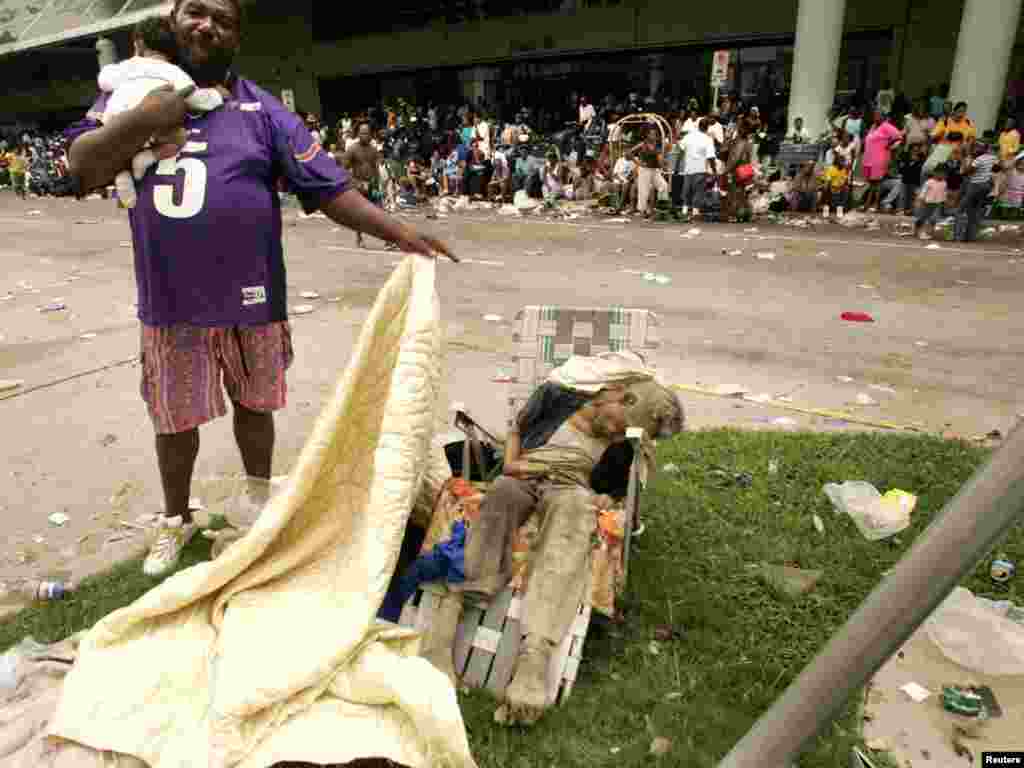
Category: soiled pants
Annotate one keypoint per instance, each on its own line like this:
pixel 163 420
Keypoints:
pixel 972 206
pixel 649 179
pixel 693 191
pixel 560 568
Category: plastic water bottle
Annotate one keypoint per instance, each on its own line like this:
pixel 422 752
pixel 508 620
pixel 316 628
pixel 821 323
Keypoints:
pixel 48 590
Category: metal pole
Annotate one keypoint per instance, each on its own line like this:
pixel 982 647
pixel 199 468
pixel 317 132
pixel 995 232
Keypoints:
pixel 965 531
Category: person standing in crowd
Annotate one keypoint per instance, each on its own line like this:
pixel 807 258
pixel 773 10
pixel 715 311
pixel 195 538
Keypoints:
pixel 805 188
pixel 955 127
pixel 362 161
pixel 740 155
pixel 587 113
pixel 698 161
pixel 17 167
pixel 978 172
pixel 1009 142
pixel 799 134
pixel 468 130
pixel 881 138
pixel 911 172
pixel 835 187
pixel 918 125
pixel 715 130
pixel 206 319
pixel 483 136
pixel 649 178
pixel 930 201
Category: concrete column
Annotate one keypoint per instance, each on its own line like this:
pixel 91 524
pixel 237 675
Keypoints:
pixel 819 35
pixel 106 51
pixel 988 30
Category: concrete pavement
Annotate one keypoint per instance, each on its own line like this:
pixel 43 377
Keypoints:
pixel 944 351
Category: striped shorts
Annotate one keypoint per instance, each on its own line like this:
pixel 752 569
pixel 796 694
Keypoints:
pixel 186 369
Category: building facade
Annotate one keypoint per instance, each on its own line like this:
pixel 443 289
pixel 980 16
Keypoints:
pixel 801 54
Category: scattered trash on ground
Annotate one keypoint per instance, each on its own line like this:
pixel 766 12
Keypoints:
pixel 876 516
pixel 766 256
pixel 1002 571
pixel 666 634
pixel 660 746
pixel 921 344
pixel 916 692
pixel 652 277
pixel 56 306
pixel 493 318
pixel 819 524
pixel 302 309
pixel 784 421
pixel 725 478
pixel 88 336
pixel 857 317
pixel 309 295
pixel 108 440
pixel 763 397
pixel 844 379
pixel 87 221
pixel 35 213
pixel 730 390
pixel 6 385
pixel 58 519
pixel 865 399
pixel 670 469
pixel 787 581
pixel 726 252
pixel 882 388
pixel 773 467
pixel 933 247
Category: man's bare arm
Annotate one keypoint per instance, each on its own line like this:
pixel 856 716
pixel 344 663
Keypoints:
pixel 96 157
pixel 350 209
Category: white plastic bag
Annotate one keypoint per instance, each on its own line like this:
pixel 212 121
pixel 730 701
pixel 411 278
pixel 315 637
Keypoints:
pixel 13 664
pixel 970 633
pixel 877 517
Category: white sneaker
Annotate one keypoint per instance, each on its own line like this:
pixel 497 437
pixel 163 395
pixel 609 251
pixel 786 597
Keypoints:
pixel 825 212
pixel 173 534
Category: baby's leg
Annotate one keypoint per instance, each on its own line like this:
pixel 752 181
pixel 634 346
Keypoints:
pixel 125 186
pixel 143 161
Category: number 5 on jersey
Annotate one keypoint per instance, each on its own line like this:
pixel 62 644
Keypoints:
pixel 193 187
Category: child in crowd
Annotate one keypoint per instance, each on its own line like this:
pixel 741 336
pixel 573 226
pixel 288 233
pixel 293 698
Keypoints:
pixel 931 200
pixel 805 188
pixel 1012 197
pixel 911 173
pixel 130 81
pixel 835 187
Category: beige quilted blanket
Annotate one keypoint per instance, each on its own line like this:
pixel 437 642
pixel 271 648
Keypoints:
pixel 272 652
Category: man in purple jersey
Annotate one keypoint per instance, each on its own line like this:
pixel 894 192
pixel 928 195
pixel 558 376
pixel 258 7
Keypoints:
pixel 208 256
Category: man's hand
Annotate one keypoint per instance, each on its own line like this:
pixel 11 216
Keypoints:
pixel 350 209
pixel 97 156
pixel 425 245
pixel 163 109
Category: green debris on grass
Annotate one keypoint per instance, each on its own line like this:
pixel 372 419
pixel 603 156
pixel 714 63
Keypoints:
pixel 707 645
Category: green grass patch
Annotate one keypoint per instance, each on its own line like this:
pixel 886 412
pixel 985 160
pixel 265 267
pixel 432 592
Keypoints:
pixel 739 645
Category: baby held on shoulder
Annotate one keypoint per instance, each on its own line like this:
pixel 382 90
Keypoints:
pixel 130 81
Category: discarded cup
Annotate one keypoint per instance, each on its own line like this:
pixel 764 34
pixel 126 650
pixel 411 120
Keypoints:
pixel 857 317
pixel 1002 571
pixel 49 590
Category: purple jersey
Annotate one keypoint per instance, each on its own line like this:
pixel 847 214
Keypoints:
pixel 207 226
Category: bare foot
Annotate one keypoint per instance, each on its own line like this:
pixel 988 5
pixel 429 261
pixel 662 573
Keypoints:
pixel 526 697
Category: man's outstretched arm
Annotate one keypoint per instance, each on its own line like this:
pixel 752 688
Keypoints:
pixel 350 209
